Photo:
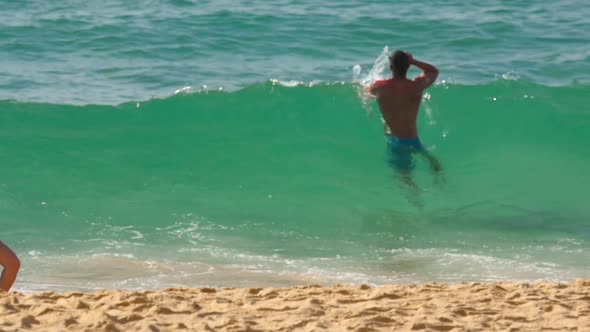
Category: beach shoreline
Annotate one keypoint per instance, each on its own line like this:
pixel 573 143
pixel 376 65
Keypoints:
pixel 473 306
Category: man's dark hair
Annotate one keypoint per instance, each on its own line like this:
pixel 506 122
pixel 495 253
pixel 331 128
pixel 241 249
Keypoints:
pixel 399 62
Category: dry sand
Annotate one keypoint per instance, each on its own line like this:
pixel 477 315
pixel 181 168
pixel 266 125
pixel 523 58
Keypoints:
pixel 428 307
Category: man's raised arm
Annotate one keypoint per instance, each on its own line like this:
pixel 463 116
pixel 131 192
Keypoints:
pixel 429 75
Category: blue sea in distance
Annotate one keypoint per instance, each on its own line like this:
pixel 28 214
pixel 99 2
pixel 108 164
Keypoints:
pixel 154 144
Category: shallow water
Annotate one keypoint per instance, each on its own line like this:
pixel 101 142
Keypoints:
pixel 181 143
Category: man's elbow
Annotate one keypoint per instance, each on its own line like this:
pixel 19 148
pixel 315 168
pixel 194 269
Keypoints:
pixel 16 264
pixel 13 263
pixel 433 74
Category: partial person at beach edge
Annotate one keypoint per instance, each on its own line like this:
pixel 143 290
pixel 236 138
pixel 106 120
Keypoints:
pixel 10 264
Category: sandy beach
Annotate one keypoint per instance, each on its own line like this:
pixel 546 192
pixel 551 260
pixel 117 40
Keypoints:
pixel 499 306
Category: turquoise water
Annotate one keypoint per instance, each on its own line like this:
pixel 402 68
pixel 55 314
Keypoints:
pixel 170 143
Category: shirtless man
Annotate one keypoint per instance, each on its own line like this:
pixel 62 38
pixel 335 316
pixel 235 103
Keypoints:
pixel 399 101
pixel 10 264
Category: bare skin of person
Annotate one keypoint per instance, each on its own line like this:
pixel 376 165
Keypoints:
pixel 399 101
pixel 10 264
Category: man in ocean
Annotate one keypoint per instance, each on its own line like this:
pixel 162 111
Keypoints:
pixel 399 101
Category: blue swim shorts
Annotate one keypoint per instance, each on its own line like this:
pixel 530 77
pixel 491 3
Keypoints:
pixel 401 150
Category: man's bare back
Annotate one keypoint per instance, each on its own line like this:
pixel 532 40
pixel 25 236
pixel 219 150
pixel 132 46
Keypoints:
pixel 399 98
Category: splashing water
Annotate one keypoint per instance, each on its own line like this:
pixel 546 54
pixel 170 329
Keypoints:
pixel 377 72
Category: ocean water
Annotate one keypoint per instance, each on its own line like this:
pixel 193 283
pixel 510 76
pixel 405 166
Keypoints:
pixel 219 143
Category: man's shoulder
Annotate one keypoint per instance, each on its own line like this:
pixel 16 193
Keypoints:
pixel 380 83
pixel 402 86
pixel 377 85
